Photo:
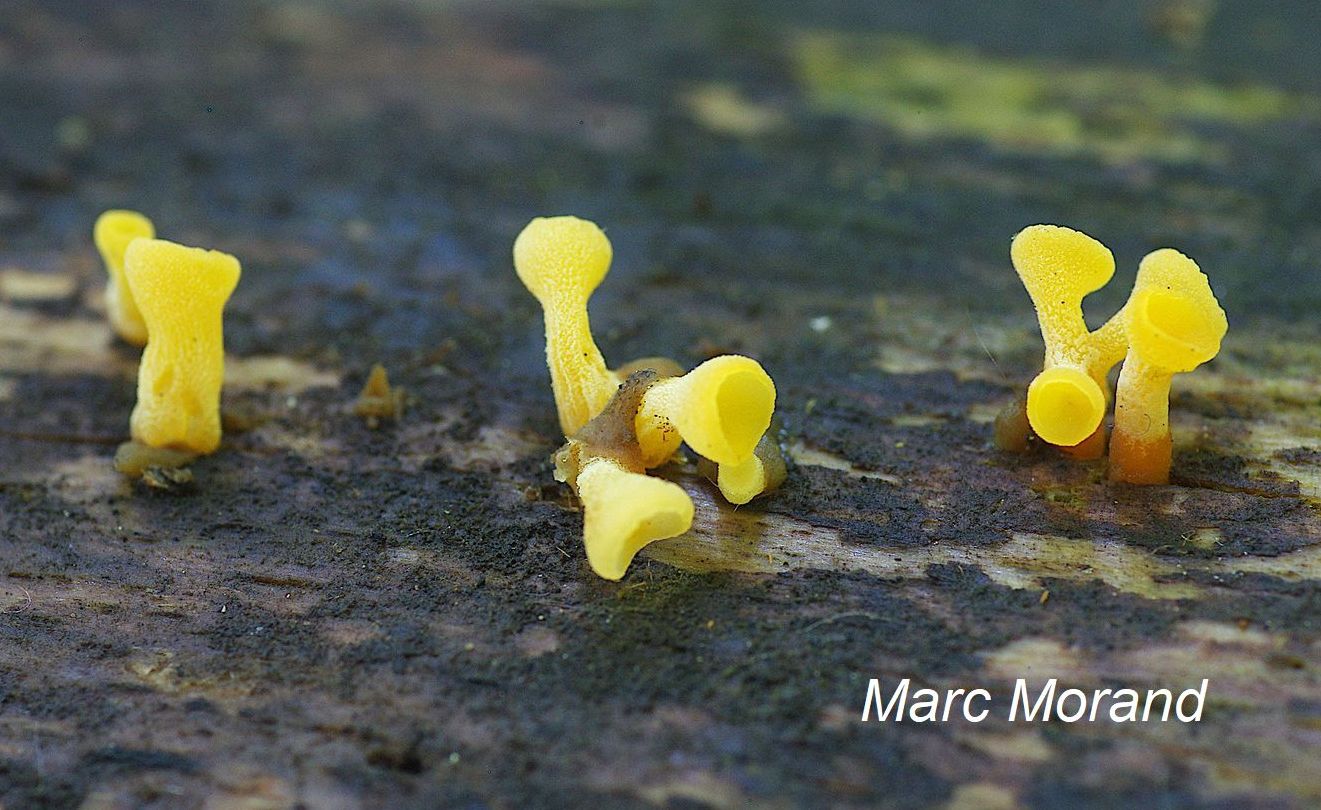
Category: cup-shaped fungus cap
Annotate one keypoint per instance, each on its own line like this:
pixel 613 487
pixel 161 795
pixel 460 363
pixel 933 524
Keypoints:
pixel 1174 321
pixel 1061 263
pixel 561 257
pixel 624 511
pixel 112 233
pixel 1065 405
pixel 172 281
pixel 181 292
pixel 762 472
pixel 1060 267
pixel 721 409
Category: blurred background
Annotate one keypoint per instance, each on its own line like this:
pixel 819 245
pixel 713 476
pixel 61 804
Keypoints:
pixel 379 156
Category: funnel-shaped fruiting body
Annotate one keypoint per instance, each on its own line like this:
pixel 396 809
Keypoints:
pixel 561 260
pixel 762 472
pixel 623 509
pixel 113 232
pixel 721 409
pixel 1174 324
pixel 1066 403
pixel 181 292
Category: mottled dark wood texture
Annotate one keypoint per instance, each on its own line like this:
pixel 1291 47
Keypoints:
pixel 335 617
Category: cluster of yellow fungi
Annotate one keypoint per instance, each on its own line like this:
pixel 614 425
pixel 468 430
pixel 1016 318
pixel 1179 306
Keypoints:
pixel 170 299
pixel 620 423
pixel 1171 324
pixel 623 422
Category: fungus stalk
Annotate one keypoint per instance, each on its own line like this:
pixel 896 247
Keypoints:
pixel 181 292
pixel 561 260
pixel 1066 402
pixel 112 233
pixel 1174 324
pixel 623 508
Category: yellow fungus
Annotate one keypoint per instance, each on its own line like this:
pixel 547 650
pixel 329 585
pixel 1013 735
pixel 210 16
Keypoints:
pixel 725 404
pixel 181 292
pixel 561 260
pixel 113 232
pixel 721 409
pixel 1174 324
pixel 1066 403
pixel 762 472
pixel 623 509
pixel 379 400
pixel 1171 324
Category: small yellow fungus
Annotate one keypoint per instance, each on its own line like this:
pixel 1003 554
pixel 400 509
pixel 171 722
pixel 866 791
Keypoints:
pixel 1066 403
pixel 762 472
pixel 379 400
pixel 623 508
pixel 113 232
pixel 181 292
pixel 1174 324
pixel 561 260
pixel 721 409
pixel 715 402
pixel 623 511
